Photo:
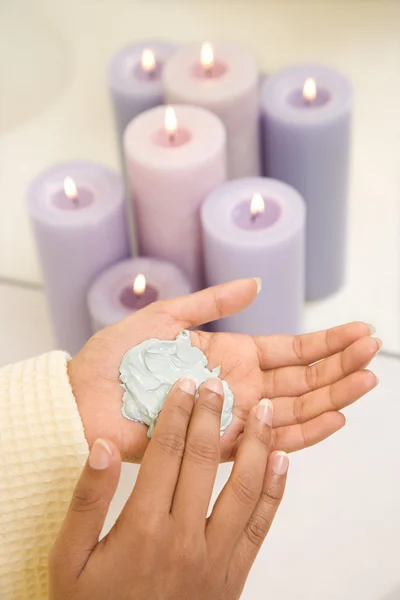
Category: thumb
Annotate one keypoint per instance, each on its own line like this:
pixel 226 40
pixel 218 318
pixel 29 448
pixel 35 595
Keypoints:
pixel 213 303
pixel 91 499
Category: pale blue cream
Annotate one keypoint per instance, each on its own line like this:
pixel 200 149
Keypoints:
pixel 149 369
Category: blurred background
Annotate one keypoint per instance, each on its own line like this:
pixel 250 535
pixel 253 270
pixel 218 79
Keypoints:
pixel 54 106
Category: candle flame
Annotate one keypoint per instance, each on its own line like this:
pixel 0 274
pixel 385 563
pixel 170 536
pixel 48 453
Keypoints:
pixel 309 90
pixel 257 205
pixel 148 61
pixel 207 57
pixel 171 122
pixel 70 188
pixel 139 285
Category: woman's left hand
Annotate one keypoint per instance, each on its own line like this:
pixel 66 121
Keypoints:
pixel 309 378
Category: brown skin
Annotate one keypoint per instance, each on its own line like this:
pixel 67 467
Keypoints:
pixel 172 552
pixel 307 397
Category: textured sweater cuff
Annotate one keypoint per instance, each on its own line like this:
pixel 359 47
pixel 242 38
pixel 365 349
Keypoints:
pixel 43 449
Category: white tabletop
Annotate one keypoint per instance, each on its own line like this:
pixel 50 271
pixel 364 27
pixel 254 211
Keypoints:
pixel 337 534
pixel 55 106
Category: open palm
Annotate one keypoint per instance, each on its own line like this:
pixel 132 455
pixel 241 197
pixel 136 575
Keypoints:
pixel 309 377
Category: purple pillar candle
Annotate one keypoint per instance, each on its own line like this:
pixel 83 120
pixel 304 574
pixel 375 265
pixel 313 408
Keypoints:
pixel 175 157
pixel 77 211
pixel 135 80
pixel 306 120
pixel 224 79
pixel 255 227
pixel 131 285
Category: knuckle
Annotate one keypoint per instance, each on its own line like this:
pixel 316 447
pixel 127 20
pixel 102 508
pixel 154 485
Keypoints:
pixel 86 499
pixel 312 376
pixel 262 435
pixel 298 347
pixel 171 442
pixel 203 450
pixel 271 497
pixel 256 529
pixel 211 403
pixel 243 489
pixel 298 409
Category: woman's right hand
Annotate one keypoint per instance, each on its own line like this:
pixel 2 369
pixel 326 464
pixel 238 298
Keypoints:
pixel 163 546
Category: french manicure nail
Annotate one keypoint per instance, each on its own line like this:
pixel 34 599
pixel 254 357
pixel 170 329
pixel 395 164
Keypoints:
pixel 214 385
pixel 372 328
pixel 280 463
pixel 258 281
pixel 265 411
pixel 379 342
pixel 187 385
pixel 100 455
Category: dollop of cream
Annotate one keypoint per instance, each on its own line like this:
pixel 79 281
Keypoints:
pixel 149 369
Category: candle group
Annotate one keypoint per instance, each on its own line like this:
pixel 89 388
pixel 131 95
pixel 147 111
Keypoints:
pixel 202 213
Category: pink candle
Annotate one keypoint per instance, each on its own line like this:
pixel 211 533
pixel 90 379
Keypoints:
pixel 78 216
pixel 255 227
pixel 130 286
pixel 224 79
pixel 175 157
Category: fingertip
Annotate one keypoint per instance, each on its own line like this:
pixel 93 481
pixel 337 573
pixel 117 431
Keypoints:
pixel 279 462
pixel 102 454
pixel 370 379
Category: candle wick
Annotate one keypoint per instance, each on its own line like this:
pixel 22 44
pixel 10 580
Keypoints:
pixel 151 74
pixel 171 137
pixel 209 71
pixel 254 217
pixel 75 201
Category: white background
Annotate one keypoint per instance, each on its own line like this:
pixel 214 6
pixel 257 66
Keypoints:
pixel 337 536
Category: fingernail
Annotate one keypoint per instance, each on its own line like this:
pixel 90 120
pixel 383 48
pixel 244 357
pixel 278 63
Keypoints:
pixel 214 385
pixel 187 385
pixel 100 455
pixel 280 463
pixel 258 281
pixel 379 342
pixel 265 411
pixel 372 328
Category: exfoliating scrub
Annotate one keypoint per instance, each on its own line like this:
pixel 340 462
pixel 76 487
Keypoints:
pixel 149 369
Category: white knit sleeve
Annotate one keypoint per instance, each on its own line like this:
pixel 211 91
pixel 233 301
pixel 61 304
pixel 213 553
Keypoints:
pixel 42 451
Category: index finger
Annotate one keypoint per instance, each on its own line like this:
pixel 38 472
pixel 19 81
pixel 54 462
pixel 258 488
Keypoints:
pixel 290 350
pixel 158 475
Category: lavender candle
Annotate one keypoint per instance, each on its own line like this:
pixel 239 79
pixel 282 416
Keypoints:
pixel 77 211
pixel 175 157
pixel 224 79
pixel 256 227
pixel 130 286
pixel 306 128
pixel 135 80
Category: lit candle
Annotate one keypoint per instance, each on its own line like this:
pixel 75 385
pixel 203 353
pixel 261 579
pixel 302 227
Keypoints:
pixel 77 211
pixel 306 130
pixel 134 79
pixel 175 157
pixel 132 285
pixel 255 227
pixel 224 79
